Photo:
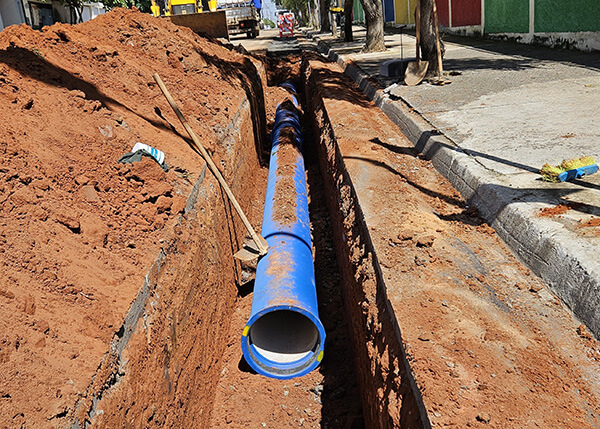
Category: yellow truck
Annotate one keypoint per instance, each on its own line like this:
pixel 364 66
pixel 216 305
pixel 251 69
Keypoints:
pixel 187 13
pixel 177 7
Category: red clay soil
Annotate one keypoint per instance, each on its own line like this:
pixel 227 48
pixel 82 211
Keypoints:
pixel 79 233
pixel 488 344
pixel 78 230
pixel 591 223
pixel 554 211
pixel 589 227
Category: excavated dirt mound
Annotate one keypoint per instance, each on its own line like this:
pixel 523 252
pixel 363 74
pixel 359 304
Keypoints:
pixel 121 303
pixel 78 230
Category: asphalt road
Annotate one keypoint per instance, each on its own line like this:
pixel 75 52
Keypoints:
pixel 268 41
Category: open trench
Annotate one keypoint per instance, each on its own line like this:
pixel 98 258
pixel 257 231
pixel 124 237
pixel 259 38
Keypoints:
pixel 181 365
pixel 329 396
pixel 363 352
pixel 177 359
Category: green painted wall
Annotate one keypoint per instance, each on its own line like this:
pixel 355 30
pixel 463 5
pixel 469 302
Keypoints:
pixel 507 16
pixel 358 12
pixel 567 15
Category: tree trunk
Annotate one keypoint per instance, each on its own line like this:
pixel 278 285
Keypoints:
pixel 428 44
pixel 314 13
pixel 324 9
pixel 374 20
pixel 332 20
pixel 348 5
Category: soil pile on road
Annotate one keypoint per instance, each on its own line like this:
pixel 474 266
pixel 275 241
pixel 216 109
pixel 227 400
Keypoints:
pixel 78 230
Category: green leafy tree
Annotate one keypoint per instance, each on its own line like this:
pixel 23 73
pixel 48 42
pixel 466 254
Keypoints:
pixel 298 7
pixel 142 5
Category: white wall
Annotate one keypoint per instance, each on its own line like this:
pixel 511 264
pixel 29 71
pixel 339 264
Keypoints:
pixel 583 40
pixel 11 12
pixel 92 10
pixel 62 13
pixel 269 10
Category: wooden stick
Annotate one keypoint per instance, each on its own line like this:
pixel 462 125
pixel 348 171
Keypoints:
pixel 418 30
pixel 261 243
pixel 437 41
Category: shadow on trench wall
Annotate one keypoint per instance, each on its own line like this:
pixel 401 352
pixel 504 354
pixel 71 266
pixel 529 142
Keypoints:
pixel 381 362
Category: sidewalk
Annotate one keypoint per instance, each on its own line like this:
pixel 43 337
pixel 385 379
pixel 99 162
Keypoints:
pixel 510 109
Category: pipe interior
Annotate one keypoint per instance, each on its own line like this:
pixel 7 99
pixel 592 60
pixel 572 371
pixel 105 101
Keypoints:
pixel 284 336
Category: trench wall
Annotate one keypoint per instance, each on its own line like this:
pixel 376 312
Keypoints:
pixel 570 275
pixel 163 365
pixel 389 394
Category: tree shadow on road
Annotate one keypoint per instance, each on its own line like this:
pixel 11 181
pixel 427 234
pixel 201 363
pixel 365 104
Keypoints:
pixel 529 52
pixel 552 194
pixel 422 189
pixel 496 64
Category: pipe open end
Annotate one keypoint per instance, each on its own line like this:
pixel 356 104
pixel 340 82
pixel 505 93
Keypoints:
pixel 283 343
pixel 284 336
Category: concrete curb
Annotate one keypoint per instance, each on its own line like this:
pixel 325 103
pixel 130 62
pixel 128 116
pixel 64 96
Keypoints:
pixel 550 253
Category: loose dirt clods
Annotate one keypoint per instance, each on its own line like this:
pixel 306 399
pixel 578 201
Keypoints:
pixel 80 231
pixel 591 223
pixel 121 303
pixel 555 211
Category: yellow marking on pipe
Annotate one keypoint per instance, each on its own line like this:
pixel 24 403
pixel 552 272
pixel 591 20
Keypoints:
pixel 245 331
pixel 320 357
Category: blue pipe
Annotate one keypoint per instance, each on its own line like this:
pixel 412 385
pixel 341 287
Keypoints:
pixel 284 337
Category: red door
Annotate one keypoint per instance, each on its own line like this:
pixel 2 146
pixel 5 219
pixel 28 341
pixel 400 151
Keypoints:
pixel 466 12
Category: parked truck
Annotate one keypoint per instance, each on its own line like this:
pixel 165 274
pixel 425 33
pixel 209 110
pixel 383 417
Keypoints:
pixel 201 16
pixel 243 16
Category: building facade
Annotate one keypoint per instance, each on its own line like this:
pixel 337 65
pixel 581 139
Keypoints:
pixel 566 23
pixel 38 14
pixel 11 12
